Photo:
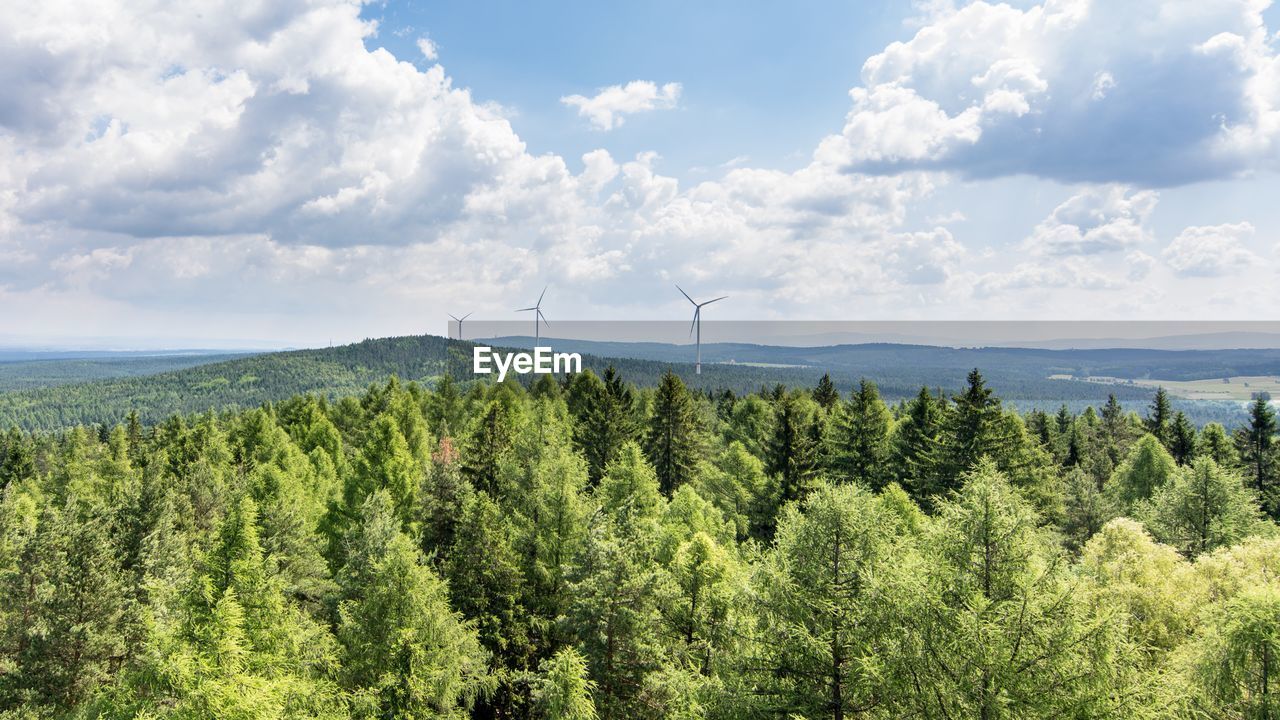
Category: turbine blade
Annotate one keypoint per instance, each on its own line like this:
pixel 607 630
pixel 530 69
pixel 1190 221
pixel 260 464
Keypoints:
pixel 686 295
pixel 464 317
pixel 456 319
pixel 544 319
pixel 544 292
pixel 525 309
pixel 694 323
pixel 716 300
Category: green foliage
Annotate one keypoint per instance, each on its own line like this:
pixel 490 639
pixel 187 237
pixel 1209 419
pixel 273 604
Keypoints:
pixel 672 442
pixel 454 552
pixel 1202 508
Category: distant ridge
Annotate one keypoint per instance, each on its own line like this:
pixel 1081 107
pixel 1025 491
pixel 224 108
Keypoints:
pixel 1020 375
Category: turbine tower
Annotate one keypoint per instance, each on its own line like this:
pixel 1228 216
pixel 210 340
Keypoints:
pixel 697 324
pixel 537 315
pixel 459 321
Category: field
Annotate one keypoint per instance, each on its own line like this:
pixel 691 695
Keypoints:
pixel 1240 388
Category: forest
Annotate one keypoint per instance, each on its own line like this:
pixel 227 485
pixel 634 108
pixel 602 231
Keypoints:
pixel 64 394
pixel 593 547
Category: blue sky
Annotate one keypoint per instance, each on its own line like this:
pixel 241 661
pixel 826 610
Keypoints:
pixel 285 174
pixel 762 80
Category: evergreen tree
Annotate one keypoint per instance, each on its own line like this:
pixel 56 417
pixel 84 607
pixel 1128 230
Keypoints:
pixel 828 600
pixel 1215 444
pixel 672 442
pixel 605 423
pixel 916 447
pixel 405 652
pixel 1203 507
pixel 793 450
pixel 826 394
pixel 973 430
pixel 1159 421
pixel 490 446
pixel 1182 439
pixel 1258 454
pixel 1014 640
pixel 1146 469
pixel 614 616
pixel 485 581
pixel 860 438
pixel 66 596
pixel 564 692
pixel 1235 669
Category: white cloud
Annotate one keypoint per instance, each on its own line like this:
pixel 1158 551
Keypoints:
pixel 608 108
pixel 265 169
pixel 1211 251
pixel 428 48
pixel 1142 91
pixel 1095 220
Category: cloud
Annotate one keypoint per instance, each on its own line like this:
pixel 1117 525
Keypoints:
pixel 1211 251
pixel 1142 92
pixel 428 48
pixel 1095 220
pixel 272 172
pixel 608 108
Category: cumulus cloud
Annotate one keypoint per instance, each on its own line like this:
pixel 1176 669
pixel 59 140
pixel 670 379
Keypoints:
pixel 1095 220
pixel 266 166
pixel 1211 251
pixel 1143 92
pixel 608 108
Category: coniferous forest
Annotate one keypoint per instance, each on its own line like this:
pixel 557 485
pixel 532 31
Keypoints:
pixel 584 548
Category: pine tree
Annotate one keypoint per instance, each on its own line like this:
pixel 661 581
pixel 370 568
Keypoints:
pixel 860 438
pixel 605 423
pixel 485 584
pixel 672 443
pixel 405 652
pixel 826 394
pixel 490 446
pixel 614 616
pixel 17 460
pixel 1182 439
pixel 68 603
pixel 976 429
pixel 1258 454
pixel 793 450
pixel 916 447
pixel 1159 421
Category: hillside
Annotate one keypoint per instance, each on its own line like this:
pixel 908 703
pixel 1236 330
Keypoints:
pixel 22 372
pixel 900 370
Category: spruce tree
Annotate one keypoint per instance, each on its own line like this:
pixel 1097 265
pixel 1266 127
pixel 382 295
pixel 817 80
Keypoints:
pixel 916 450
pixel 793 450
pixel 826 394
pixel 1182 439
pixel 860 438
pixel 1160 419
pixel 672 441
pixel 1258 454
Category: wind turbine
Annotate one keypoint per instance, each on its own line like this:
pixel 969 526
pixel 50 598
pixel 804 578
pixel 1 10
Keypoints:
pixel 459 321
pixel 697 324
pixel 537 315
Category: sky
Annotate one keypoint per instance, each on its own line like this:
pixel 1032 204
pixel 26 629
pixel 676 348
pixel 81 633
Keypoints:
pixel 300 172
